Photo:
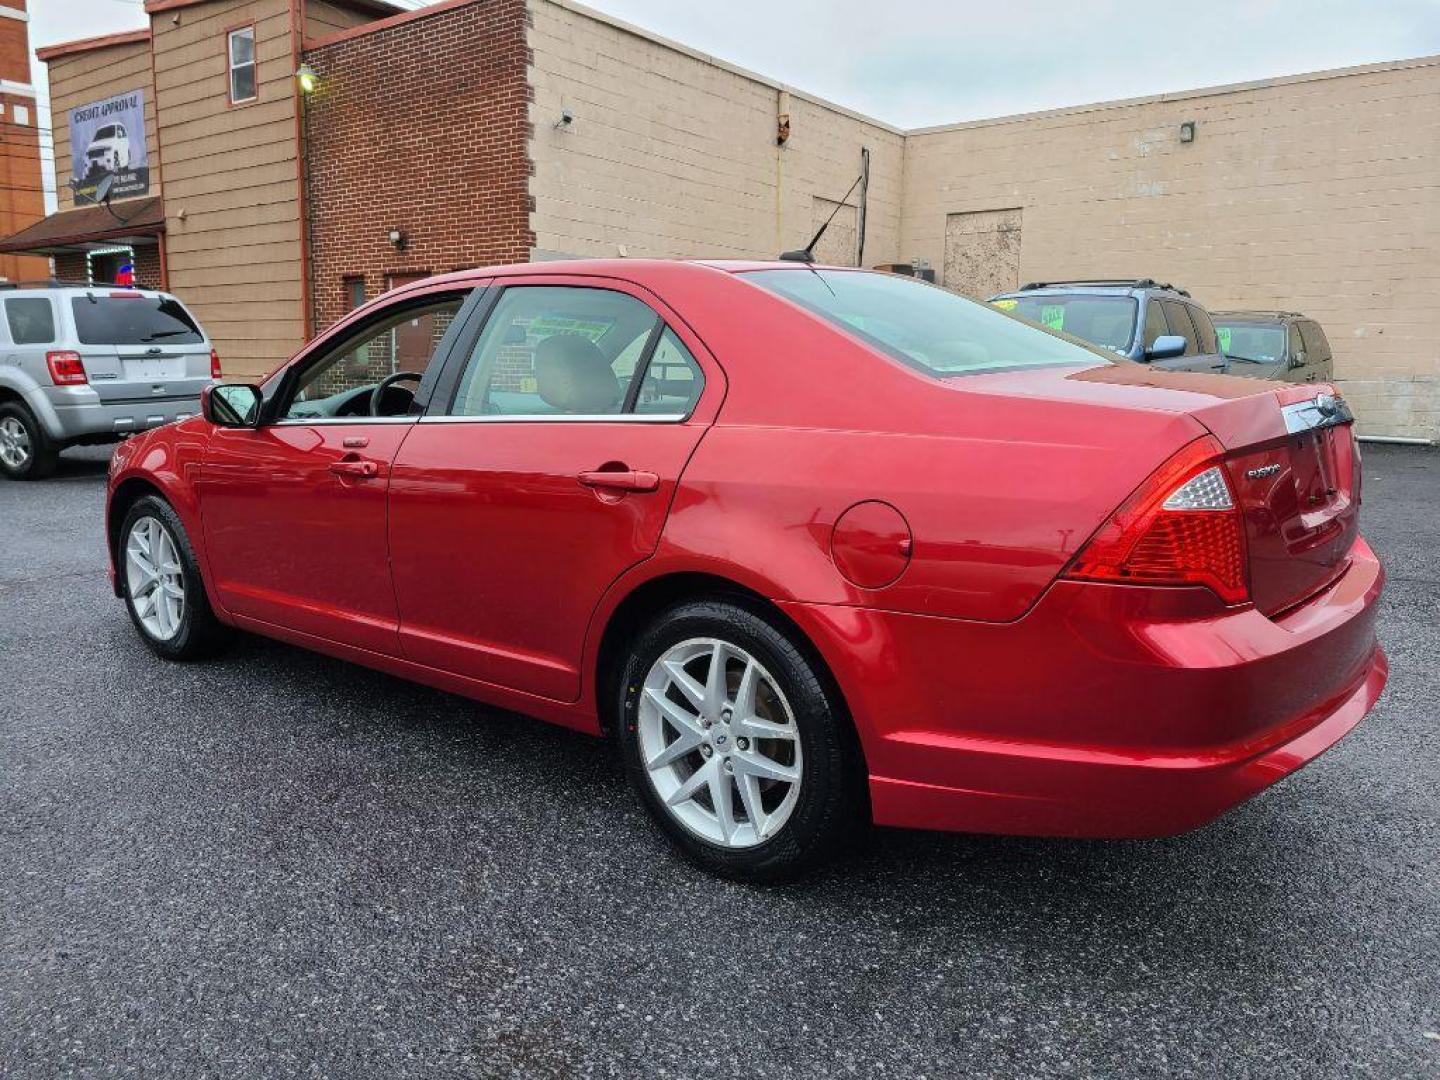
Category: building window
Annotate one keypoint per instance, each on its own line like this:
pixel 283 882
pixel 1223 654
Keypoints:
pixel 22 116
pixel 354 292
pixel 242 65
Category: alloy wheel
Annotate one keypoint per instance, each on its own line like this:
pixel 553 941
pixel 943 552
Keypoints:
pixel 15 446
pixel 719 742
pixel 155 578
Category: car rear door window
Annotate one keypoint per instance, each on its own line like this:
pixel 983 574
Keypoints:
pixel 1317 348
pixel 1179 320
pixel 133 319
pixel 31 320
pixel 557 351
pixel 1205 327
pixel 673 380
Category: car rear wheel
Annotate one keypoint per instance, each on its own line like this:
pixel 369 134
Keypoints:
pixel 25 451
pixel 161 582
pixel 737 745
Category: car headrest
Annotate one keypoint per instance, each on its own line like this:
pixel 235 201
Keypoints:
pixel 572 375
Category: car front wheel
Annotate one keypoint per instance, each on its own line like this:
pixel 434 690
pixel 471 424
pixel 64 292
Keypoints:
pixel 737 745
pixel 161 582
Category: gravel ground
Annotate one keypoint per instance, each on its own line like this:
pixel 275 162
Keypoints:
pixel 281 865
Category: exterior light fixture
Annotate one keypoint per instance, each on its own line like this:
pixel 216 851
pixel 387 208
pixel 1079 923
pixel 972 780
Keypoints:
pixel 1187 131
pixel 308 78
pixel 398 239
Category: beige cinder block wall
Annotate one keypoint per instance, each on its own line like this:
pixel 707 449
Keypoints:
pixel 232 215
pixel 673 152
pixel 80 78
pixel 1319 193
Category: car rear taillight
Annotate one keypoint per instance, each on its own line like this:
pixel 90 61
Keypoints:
pixel 1182 526
pixel 66 368
pixel 215 372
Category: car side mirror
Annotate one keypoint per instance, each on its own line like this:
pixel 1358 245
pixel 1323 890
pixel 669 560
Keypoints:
pixel 1165 347
pixel 232 405
pixel 1298 360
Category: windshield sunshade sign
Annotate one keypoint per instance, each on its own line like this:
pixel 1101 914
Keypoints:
pixel 107 138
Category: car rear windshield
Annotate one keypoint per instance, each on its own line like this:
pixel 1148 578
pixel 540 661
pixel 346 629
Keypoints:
pixel 133 319
pixel 1260 343
pixel 1106 321
pixel 922 325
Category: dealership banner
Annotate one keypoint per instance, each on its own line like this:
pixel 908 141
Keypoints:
pixel 107 138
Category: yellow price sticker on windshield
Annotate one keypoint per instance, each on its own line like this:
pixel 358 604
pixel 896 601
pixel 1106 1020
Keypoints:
pixel 1006 305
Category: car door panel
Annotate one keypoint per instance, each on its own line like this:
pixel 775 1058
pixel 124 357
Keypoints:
pixel 296 534
pixel 501 552
pixel 505 530
pixel 295 511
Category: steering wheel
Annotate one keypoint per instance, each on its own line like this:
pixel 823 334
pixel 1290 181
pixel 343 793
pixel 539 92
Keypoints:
pixel 377 396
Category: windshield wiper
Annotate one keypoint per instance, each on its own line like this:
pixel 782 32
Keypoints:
pixel 164 333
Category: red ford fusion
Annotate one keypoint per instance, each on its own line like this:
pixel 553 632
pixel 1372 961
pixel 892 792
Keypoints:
pixel 818 547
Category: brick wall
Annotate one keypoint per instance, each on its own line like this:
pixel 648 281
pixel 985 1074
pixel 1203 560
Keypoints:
pixel 420 127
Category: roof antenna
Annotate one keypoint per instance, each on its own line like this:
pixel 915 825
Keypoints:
pixel 807 253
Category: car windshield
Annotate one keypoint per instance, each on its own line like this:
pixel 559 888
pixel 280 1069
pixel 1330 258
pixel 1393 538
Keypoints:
pixel 1256 342
pixel 1106 321
pixel 133 319
pixel 922 325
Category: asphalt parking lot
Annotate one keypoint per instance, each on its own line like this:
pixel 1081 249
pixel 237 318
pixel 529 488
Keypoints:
pixel 280 865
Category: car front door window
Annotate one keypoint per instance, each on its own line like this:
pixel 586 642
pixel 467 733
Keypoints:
pixel 342 381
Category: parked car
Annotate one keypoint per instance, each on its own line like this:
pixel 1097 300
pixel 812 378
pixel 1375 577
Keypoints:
pixel 109 149
pixel 1139 319
pixel 816 546
pixel 1281 345
pixel 89 364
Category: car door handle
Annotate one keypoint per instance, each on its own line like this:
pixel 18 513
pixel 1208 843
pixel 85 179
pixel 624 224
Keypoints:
pixel 362 469
pixel 629 480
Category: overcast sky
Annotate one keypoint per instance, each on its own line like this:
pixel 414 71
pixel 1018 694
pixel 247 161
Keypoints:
pixel 920 62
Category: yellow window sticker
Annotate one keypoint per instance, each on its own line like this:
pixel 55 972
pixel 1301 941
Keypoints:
pixel 1006 305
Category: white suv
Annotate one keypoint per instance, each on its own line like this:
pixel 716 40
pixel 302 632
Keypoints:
pixel 91 365
pixel 109 149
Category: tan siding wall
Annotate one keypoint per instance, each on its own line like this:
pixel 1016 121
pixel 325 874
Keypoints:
pixel 1319 194
pixel 81 78
pixel 235 256
pixel 672 153
pixel 322 18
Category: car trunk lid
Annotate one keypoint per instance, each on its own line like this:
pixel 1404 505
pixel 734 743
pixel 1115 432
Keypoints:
pixel 1290 455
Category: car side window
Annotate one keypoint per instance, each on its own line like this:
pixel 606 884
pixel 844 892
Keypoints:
pixel 1317 349
pixel 673 380
pixel 1205 328
pixel 31 320
pixel 550 350
pixel 1179 320
pixel 340 382
pixel 1296 345
pixel 1155 324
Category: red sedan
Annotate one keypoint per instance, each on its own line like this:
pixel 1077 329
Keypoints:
pixel 817 546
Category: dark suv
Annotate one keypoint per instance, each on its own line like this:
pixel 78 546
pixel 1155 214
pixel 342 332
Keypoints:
pixel 1274 345
pixel 1140 319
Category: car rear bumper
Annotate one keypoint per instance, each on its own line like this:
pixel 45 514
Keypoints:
pixel 69 413
pixel 1106 711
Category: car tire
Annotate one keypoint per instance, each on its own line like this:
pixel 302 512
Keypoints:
pixel 161 584
pixel 26 452
pixel 739 746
